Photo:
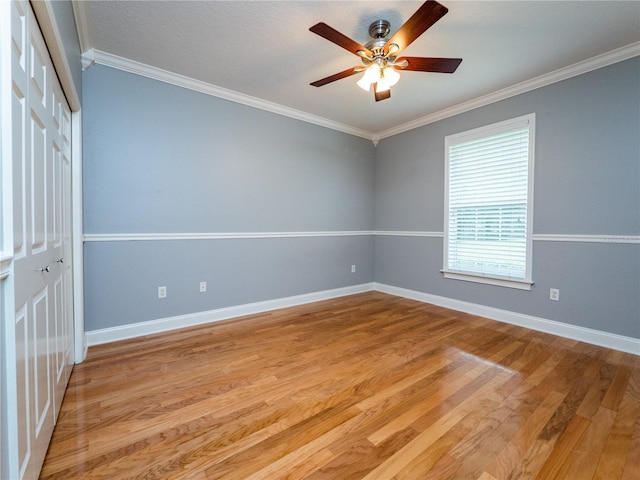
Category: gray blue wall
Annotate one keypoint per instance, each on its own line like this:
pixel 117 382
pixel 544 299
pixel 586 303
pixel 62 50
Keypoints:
pixel 160 159
pixel 587 182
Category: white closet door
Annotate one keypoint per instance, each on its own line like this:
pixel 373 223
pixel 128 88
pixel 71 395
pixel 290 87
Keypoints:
pixel 41 170
pixel 60 269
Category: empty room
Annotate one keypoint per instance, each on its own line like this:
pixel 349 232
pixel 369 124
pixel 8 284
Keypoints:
pixel 320 240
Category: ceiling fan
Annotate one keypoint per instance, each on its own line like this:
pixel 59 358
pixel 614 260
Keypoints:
pixel 379 56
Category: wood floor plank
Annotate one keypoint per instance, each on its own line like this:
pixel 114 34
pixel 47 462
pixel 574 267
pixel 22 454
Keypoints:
pixel 554 466
pixel 366 386
pixel 617 449
pixel 430 456
pixel 503 464
pixel 632 464
pixel 583 461
pixel 444 423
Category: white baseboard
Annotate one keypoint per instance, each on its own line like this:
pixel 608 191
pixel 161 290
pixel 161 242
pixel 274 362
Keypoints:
pixel 113 334
pixel 596 337
pixel 588 335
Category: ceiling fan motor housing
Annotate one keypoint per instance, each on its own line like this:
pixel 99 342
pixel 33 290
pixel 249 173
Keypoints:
pixel 379 29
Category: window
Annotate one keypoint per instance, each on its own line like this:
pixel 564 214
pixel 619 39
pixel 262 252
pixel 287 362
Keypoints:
pixel 488 204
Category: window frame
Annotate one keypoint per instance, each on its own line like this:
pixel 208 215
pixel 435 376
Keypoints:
pixel 475 134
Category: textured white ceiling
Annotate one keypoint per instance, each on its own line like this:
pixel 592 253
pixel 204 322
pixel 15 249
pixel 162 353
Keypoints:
pixel 264 49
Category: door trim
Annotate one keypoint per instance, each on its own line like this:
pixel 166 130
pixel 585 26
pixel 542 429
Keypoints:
pixel 53 39
pixel 77 242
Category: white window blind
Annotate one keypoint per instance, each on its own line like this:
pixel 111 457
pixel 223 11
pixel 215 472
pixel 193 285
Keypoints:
pixel 488 186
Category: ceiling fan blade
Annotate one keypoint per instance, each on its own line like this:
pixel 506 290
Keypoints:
pixel 428 14
pixel 381 95
pixel 337 76
pixel 425 64
pixel 334 36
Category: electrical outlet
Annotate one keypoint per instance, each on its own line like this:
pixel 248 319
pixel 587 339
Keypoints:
pixel 162 292
pixel 203 287
pixel 554 294
pixel 353 269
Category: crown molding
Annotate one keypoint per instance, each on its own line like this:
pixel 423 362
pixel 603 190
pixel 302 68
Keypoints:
pixel 615 56
pixel 82 25
pixel 92 56
pixel 88 59
pixel 114 61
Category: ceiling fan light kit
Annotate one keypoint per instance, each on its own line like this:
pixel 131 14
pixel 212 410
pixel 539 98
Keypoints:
pixel 384 77
pixel 380 56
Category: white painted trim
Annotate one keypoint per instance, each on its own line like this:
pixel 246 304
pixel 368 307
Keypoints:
pixel 87 59
pixel 9 456
pixel 538 237
pixel 148 71
pixel 51 33
pixel 498 282
pixel 124 332
pixel 618 55
pixel 82 24
pixel 542 237
pixel 131 237
pixel 596 337
pixel 517 124
pixel 406 233
pixel 80 346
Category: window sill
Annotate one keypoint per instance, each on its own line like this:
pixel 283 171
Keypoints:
pixel 500 282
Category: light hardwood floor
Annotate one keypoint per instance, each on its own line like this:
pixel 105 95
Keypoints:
pixel 367 386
